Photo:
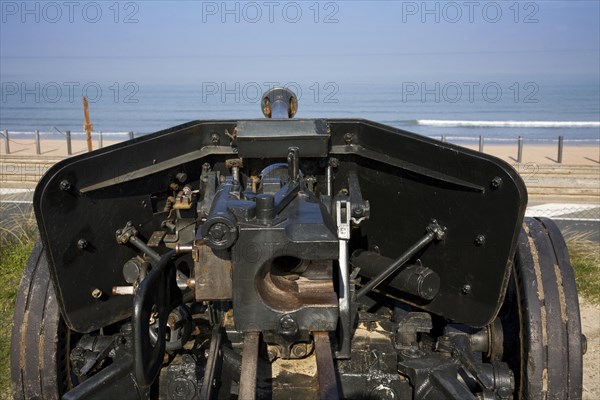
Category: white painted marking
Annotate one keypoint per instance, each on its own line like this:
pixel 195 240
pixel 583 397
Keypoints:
pixel 13 191
pixel 17 201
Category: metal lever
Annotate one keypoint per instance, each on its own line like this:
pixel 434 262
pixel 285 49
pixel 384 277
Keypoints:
pixel 343 215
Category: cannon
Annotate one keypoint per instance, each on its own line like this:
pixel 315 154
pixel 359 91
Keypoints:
pixel 284 258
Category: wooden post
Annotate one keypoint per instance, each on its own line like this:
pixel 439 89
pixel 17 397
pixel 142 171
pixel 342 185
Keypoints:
pixel 481 143
pixel 100 141
pixel 87 125
pixel 560 149
pixel 69 149
pixel 520 150
pixel 6 142
pixel 38 149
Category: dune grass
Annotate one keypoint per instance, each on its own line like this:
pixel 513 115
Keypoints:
pixel 585 258
pixel 17 237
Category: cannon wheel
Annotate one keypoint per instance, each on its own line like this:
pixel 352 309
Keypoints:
pixel 542 327
pixel 40 338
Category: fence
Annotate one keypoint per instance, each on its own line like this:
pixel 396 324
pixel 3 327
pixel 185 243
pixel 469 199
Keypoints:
pixel 520 144
pixel 98 137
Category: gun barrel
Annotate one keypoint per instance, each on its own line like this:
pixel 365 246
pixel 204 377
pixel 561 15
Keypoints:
pixel 279 103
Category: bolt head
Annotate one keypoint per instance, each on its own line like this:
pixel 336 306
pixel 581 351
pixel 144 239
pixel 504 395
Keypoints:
pixel 96 293
pixel 466 289
pixel 299 350
pixel 480 240
pixel 82 244
pixel 65 185
pixel 218 231
pixel 288 325
pixel 496 182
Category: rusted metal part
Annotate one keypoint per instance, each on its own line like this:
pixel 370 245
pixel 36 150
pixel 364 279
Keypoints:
pixel 255 182
pixel 249 365
pixel 213 280
pixel 156 238
pixel 234 162
pixel 87 126
pixel 183 200
pixel 325 369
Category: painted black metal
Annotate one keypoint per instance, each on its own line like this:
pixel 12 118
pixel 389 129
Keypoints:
pixel 280 247
pixel 272 138
pixel 399 262
pixel 407 178
pixel 416 280
pixel 303 230
pixel 114 381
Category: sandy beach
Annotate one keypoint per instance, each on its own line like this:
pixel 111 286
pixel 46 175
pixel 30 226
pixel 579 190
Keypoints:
pixel 545 154
pixel 538 154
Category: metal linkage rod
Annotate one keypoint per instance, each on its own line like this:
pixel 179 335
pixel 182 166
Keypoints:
pixel 328 386
pixel 249 365
pixel 434 232
pixel 212 364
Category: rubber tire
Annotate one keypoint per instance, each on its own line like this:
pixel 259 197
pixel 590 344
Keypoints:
pixel 40 338
pixel 547 355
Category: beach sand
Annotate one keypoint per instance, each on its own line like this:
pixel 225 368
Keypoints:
pixel 539 154
pixel 545 154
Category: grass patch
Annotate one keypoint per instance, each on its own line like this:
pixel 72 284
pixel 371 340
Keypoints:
pixel 585 258
pixel 12 262
pixel 17 237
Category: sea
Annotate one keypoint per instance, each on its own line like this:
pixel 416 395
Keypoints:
pixel 460 111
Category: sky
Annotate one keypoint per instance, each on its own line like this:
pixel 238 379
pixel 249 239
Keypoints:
pixel 188 42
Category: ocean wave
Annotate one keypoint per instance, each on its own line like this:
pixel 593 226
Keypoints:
pixel 511 124
pixel 510 139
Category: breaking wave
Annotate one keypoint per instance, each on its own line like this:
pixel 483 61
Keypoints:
pixel 511 124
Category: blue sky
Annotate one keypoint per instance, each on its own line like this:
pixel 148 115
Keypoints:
pixel 188 42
